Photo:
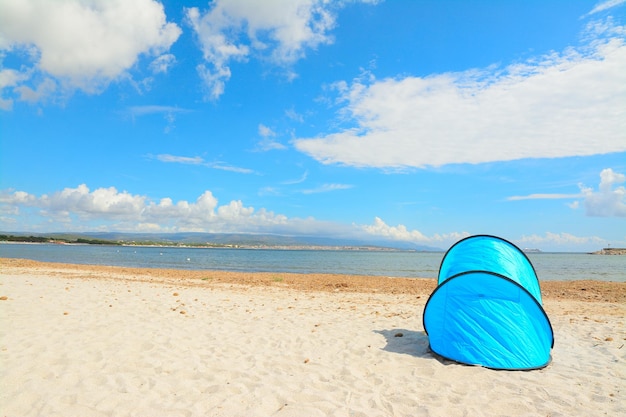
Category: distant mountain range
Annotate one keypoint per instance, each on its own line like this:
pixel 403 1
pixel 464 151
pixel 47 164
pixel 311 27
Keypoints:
pixel 241 240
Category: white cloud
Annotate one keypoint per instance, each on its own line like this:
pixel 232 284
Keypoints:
pixel 267 143
pixel 9 78
pixel 605 5
pixel 326 188
pixel 561 240
pixel 198 160
pixel 266 131
pixel 231 168
pixel 17 197
pixel 43 90
pixel 543 197
pixel 168 112
pixel 279 31
pixel 163 63
pixel 300 180
pixel 76 209
pixel 80 201
pixel 568 104
pixel 293 115
pixel 609 200
pixel 193 160
pixel 108 209
pixel 124 211
pixel 83 44
pixel 400 232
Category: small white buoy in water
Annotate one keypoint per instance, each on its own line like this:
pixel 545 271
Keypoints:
pixel 188 259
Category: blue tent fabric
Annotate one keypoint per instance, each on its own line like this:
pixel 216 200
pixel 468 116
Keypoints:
pixel 487 308
pixel 493 254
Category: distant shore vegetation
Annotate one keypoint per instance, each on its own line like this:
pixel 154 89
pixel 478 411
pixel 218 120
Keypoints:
pixel 44 239
pixel 71 240
pixel 85 241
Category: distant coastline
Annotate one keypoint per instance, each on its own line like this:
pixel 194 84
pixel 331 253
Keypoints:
pixel 610 251
pixel 200 245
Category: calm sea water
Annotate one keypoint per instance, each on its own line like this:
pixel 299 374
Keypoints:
pixel 549 266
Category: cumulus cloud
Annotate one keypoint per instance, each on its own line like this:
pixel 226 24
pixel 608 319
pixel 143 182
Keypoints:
pixel 279 31
pixel 77 202
pixel 124 211
pixel 84 44
pixel 562 104
pixel 610 199
pixel 110 209
pixel 400 232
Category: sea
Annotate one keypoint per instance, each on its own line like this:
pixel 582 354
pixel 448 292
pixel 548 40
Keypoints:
pixel 549 266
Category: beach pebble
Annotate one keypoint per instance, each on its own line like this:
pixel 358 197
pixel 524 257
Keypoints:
pixel 4 297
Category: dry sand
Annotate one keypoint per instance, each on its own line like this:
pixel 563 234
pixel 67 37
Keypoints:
pixel 79 340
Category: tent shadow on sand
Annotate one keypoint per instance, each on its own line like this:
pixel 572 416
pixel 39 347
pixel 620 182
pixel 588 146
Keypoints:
pixel 411 342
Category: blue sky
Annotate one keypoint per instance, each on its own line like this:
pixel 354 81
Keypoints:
pixel 421 121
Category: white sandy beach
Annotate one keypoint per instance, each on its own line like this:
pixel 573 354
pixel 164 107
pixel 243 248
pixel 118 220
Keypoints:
pixel 91 342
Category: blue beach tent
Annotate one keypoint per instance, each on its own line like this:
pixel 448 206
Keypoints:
pixel 487 308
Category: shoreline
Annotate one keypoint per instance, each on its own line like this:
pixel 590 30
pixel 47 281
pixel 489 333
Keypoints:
pixel 582 290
